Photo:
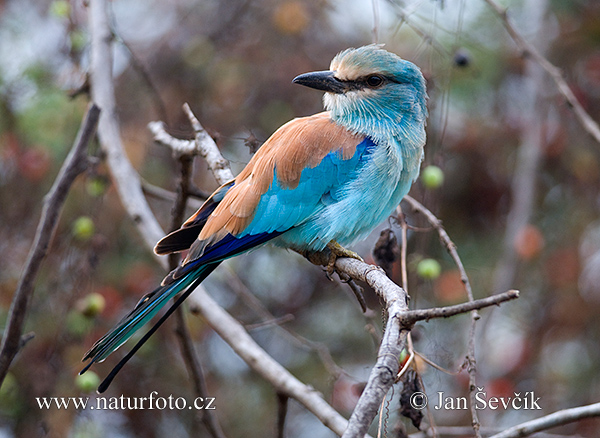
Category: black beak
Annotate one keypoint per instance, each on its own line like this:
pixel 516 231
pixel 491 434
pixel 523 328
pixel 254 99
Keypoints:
pixel 322 80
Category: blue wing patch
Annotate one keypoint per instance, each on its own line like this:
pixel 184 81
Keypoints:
pixel 281 208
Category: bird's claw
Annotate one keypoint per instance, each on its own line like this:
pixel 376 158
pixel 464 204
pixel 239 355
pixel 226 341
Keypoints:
pixel 329 255
pixel 338 251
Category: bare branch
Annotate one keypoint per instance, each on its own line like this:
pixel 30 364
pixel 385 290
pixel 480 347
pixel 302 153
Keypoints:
pixel 555 419
pixel 138 66
pixel 383 374
pixel 177 145
pixel 167 195
pixel 413 316
pixel 75 164
pixel 207 148
pixel 555 73
pixel 126 179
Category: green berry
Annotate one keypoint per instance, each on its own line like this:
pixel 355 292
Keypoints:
pixel 87 382
pixel 429 269
pixel 92 304
pixel 432 177
pixel 78 39
pixel 60 8
pixel 77 324
pixel 83 228
pixel 96 186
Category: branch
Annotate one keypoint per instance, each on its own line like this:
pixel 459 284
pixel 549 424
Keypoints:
pixel 74 165
pixel 177 145
pixel 207 148
pixel 166 195
pixel 555 73
pixel 383 374
pixel 413 316
pixel 202 145
pixel 445 238
pixel 126 178
pixel 553 420
pixel 138 66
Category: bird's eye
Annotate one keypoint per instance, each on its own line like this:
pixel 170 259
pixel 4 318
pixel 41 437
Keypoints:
pixel 374 81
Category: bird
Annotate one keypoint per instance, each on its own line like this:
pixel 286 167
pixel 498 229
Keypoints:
pixel 319 183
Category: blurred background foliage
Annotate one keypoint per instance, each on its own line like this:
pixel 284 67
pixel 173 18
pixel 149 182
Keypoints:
pixel 233 62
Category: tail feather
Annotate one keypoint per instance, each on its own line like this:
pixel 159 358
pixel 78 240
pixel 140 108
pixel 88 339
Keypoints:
pixel 145 310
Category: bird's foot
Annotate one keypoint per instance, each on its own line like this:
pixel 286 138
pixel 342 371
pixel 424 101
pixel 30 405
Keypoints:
pixel 338 251
pixel 329 255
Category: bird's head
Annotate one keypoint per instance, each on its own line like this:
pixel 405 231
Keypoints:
pixel 371 91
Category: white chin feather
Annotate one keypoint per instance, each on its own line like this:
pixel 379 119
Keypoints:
pixel 339 103
pixel 329 101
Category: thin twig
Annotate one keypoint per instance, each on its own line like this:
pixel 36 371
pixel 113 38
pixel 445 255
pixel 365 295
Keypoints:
pixel 166 195
pixel 356 290
pixel 74 165
pixel 207 148
pixel 275 322
pixel 208 417
pixel 445 238
pixel 529 50
pixel 404 247
pixel 413 316
pixel 177 145
pixel 138 66
pixel 555 419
